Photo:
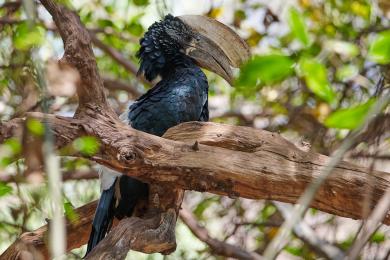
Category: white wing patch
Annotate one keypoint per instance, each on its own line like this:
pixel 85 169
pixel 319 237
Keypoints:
pixel 106 175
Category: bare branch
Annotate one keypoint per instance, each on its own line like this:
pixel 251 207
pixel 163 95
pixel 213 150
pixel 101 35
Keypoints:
pixel 113 84
pixel 66 176
pixel 34 242
pixel 117 56
pixel 218 247
pixel 307 234
pixel 231 160
pixel 371 225
pixel 7 20
pixel 79 54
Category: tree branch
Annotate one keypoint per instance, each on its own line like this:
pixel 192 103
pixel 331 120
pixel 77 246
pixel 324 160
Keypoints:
pixel 34 242
pixel 216 246
pixel 371 225
pixel 79 54
pixel 117 56
pixel 150 235
pixel 308 235
pixel 66 176
pixel 228 160
pixel 113 84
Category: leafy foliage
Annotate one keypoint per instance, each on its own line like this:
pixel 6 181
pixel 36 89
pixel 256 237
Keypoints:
pixel 5 189
pixel 267 69
pixel 349 118
pixel 379 50
pixel 87 145
pixel 316 78
pixel 298 26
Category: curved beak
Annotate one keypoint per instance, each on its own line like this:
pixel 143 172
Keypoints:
pixel 216 47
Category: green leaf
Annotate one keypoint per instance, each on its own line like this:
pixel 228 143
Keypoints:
pixel 361 9
pixel 5 161
pixel 349 118
pixel 298 26
pixel 346 49
pixel 203 205
pixel 35 127
pixel 267 69
pixel 66 3
pixel 316 78
pixel 379 49
pixel 347 72
pixel 268 211
pixel 8 150
pixel 27 36
pixel 141 2
pixel 5 189
pixel 134 28
pixel 297 251
pixel 378 237
pixel 105 23
pixel 87 145
pixel 70 213
pixel 14 145
pixel 347 243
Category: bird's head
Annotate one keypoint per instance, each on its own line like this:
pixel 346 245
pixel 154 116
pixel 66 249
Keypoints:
pixel 211 44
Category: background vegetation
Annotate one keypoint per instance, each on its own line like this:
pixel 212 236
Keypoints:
pixel 317 68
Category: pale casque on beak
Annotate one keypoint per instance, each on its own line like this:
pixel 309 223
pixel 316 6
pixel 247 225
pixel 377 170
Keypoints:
pixel 215 46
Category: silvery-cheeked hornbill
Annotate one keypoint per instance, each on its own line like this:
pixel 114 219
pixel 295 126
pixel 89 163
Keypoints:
pixel 174 49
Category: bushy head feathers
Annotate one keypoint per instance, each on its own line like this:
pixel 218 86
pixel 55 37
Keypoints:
pixel 161 45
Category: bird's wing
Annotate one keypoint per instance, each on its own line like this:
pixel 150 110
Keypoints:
pixel 173 101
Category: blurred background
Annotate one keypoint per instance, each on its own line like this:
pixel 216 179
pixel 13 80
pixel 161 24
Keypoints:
pixel 317 68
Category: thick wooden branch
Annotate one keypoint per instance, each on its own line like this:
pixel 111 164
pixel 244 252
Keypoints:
pixel 239 161
pixel 227 160
pixel 151 232
pixel 150 235
pixel 79 54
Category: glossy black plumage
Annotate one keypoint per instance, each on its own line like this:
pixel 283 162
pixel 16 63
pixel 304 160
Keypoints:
pixel 180 96
pixel 102 222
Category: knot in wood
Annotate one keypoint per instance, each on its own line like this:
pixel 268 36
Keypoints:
pixel 195 146
pixel 128 156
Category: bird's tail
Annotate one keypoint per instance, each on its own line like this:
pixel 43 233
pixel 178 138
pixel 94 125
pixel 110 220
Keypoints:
pixel 104 216
pixel 116 205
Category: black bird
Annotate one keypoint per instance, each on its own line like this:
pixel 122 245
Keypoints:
pixel 173 49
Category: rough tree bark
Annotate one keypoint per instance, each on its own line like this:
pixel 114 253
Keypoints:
pixel 226 160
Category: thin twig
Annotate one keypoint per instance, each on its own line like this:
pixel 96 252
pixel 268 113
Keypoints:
pixel 8 20
pixel 308 235
pixel 217 246
pixel 117 56
pixel 113 84
pixel 371 225
pixel 383 157
pixel 66 176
